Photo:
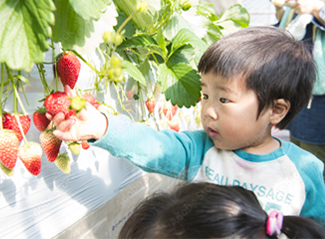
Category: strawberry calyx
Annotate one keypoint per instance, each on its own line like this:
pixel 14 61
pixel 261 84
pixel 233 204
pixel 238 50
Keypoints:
pixel 41 110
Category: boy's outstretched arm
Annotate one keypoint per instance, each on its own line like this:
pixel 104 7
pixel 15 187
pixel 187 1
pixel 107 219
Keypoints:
pixel 167 152
pixel 88 124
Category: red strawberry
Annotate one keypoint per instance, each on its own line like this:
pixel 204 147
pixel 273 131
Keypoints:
pixel 68 68
pixel 96 105
pixel 151 103
pixel 85 144
pixel 174 124
pixel 9 121
pixel 31 154
pixel 51 144
pixel 169 110
pixel 91 99
pixel 40 120
pixel 8 148
pixel 58 102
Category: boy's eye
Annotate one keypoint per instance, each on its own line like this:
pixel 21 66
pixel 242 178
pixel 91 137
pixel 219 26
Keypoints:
pixel 205 96
pixel 224 100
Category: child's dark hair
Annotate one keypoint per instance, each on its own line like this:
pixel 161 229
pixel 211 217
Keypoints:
pixel 205 210
pixel 273 64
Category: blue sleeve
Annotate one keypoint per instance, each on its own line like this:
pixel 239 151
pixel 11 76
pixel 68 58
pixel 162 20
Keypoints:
pixel 311 171
pixel 167 152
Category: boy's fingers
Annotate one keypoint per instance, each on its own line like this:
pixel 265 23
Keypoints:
pixel 58 118
pixel 62 135
pixel 48 116
pixel 65 125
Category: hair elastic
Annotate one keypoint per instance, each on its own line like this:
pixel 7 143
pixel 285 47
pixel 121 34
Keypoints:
pixel 274 223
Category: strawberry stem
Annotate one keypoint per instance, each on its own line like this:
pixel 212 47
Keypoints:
pixel 21 129
pixel 19 82
pixel 87 63
pixel 117 89
pixel 41 71
pixel 17 98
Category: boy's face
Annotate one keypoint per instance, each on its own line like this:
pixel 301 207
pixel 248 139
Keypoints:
pixel 229 112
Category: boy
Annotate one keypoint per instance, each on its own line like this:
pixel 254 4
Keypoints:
pixel 251 80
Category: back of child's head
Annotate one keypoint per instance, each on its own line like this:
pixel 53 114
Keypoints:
pixel 204 210
pixel 273 64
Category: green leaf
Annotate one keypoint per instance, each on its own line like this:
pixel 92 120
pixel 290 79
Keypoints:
pixel 133 71
pixel 213 34
pixel 141 20
pixel 186 36
pixel 183 54
pixel 180 83
pixel 237 14
pixel 23 79
pixel 134 42
pixel 89 9
pixel 176 23
pixel 70 29
pixel 145 69
pixel 144 42
pixel 160 38
pixel 25 27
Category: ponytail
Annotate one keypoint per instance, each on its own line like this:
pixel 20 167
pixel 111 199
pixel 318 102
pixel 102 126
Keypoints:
pixel 301 227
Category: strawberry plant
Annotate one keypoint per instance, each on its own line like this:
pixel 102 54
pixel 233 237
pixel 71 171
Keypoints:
pixel 147 55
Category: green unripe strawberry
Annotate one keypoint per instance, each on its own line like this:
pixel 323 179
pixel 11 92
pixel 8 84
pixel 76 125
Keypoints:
pixel 108 37
pixel 118 39
pixel 7 171
pixel 63 163
pixel 142 6
pixel 77 103
pixel 74 147
pixel 186 5
pixel 115 61
pixel 115 72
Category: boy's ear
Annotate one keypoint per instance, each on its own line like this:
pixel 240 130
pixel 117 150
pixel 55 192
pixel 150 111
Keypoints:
pixel 279 110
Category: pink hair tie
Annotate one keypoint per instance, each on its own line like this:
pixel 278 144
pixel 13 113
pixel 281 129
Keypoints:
pixel 274 223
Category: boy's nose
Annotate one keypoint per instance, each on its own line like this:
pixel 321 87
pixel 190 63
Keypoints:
pixel 211 113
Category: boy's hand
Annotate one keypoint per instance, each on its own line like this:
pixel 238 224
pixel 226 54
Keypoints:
pixel 89 123
pixel 306 6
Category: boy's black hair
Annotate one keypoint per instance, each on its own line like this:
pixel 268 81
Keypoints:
pixel 273 64
pixel 206 210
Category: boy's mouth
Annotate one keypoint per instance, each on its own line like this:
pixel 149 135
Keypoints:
pixel 212 133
